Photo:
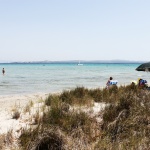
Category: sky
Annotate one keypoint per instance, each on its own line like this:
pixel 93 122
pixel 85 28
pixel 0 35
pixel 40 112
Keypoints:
pixel 57 30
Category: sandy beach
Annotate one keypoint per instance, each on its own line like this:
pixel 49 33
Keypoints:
pixel 9 102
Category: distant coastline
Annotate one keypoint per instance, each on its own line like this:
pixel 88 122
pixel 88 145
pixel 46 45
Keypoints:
pixel 74 62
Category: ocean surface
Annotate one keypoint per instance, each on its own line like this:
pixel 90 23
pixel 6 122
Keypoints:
pixel 34 78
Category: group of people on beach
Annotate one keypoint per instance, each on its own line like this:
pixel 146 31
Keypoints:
pixel 140 83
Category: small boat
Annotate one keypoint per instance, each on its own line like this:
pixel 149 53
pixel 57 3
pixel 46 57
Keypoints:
pixel 79 64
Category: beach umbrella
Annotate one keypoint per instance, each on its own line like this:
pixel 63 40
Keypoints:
pixel 144 67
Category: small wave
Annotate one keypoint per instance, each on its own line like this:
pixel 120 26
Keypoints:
pixel 20 77
pixel 5 82
pixel 3 85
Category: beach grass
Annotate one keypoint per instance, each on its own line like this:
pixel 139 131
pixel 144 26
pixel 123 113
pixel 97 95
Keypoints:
pixel 66 122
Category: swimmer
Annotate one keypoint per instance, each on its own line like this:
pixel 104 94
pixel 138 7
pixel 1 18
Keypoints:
pixel 3 71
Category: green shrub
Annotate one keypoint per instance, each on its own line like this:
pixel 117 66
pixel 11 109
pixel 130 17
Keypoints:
pixel 77 96
pixel 67 97
pixel 50 99
pixel 110 113
pixel 42 138
pixel 27 137
pixel 79 92
pixel 96 94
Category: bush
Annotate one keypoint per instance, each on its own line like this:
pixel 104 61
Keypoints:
pixel 66 96
pixel 78 96
pixel 96 94
pixel 42 138
pixel 50 99
pixel 79 92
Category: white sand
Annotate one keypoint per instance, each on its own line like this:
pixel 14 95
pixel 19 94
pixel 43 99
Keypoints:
pixel 8 103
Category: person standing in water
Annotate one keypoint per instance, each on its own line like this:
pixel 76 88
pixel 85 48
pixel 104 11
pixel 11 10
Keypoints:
pixel 3 71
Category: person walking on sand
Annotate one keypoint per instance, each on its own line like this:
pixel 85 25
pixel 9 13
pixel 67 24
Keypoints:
pixel 3 71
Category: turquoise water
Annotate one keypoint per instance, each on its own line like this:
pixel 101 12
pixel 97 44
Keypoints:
pixel 33 78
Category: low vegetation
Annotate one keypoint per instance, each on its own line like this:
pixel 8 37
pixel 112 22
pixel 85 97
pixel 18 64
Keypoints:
pixel 125 121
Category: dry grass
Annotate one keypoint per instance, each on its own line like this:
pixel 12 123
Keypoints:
pixel 125 124
pixel 2 141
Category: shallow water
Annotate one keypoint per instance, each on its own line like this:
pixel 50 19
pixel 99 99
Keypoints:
pixel 33 78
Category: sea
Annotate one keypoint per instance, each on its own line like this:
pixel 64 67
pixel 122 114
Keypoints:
pixel 28 78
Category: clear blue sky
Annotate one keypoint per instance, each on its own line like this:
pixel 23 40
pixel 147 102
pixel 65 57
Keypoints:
pixel 33 30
